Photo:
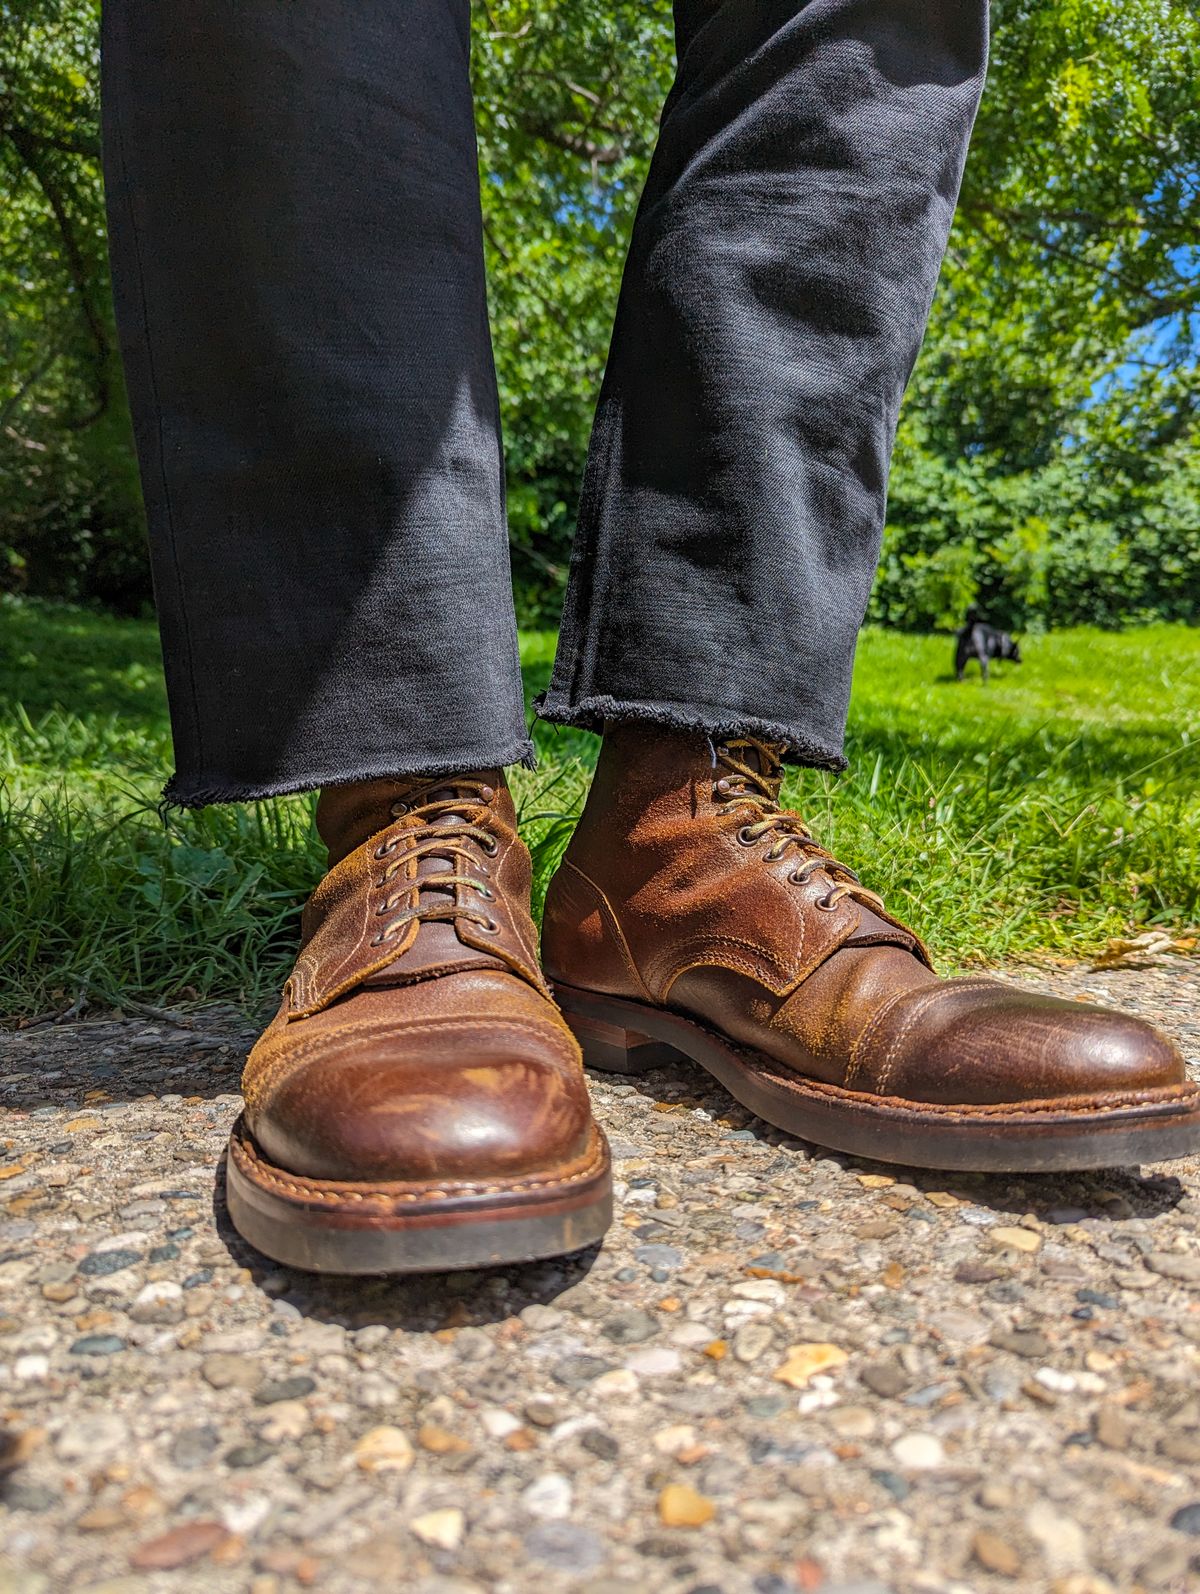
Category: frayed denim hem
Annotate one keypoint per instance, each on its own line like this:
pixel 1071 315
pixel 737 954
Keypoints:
pixel 180 794
pixel 591 713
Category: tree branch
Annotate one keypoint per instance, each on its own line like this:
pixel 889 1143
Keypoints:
pixel 554 311
pixel 29 151
pixel 1090 220
pixel 573 143
pixel 31 381
pixel 1157 307
pixel 89 148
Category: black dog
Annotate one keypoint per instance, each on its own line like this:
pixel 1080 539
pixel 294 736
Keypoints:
pixel 978 640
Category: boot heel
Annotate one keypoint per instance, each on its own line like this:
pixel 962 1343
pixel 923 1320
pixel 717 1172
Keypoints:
pixel 612 1048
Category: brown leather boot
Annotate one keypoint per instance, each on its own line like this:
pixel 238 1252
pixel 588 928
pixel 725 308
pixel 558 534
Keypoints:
pixel 692 915
pixel 418 1103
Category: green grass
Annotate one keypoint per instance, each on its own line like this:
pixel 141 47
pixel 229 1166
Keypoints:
pixel 1046 813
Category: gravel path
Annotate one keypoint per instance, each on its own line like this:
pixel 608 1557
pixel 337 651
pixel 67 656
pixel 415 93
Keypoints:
pixel 784 1372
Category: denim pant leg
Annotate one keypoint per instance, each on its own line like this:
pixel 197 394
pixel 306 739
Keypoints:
pixel 298 268
pixel 775 296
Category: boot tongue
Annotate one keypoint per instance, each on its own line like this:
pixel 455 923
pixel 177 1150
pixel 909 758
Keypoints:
pixel 764 759
pixel 874 931
pixel 349 815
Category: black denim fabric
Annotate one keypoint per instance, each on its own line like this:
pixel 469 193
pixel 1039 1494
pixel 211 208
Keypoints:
pixel 298 270
pixel 775 296
pixel 298 265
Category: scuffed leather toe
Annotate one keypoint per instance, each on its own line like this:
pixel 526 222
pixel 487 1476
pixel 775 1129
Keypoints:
pixel 476 1095
pixel 977 1042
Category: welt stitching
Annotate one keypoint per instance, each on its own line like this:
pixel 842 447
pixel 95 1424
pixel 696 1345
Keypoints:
pixel 262 1171
pixel 1064 1106
pixel 902 1107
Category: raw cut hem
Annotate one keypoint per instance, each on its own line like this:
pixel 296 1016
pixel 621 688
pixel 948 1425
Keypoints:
pixel 179 793
pixel 591 713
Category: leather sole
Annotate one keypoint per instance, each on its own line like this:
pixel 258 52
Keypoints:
pixel 326 1226
pixel 1116 1129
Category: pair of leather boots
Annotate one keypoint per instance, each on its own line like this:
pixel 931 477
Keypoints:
pixel 419 1103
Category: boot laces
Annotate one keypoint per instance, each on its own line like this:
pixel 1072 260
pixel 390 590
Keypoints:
pixel 445 819
pixel 751 786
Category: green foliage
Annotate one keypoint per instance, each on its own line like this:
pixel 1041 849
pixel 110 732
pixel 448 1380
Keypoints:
pixel 70 515
pixel 1046 461
pixel 937 586
pixel 1054 808
pixel 1051 425
pixel 567 95
pixel 1075 255
pixel 1063 544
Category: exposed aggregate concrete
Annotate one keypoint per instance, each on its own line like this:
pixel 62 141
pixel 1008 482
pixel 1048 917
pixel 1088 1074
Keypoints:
pixel 784 1372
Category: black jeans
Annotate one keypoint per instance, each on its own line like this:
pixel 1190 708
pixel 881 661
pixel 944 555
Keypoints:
pixel 298 267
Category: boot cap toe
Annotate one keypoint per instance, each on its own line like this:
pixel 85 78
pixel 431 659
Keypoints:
pixel 467 1099
pixel 981 1042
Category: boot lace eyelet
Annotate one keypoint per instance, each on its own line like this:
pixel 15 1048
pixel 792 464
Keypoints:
pixel 752 782
pixel 398 810
pixel 489 927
